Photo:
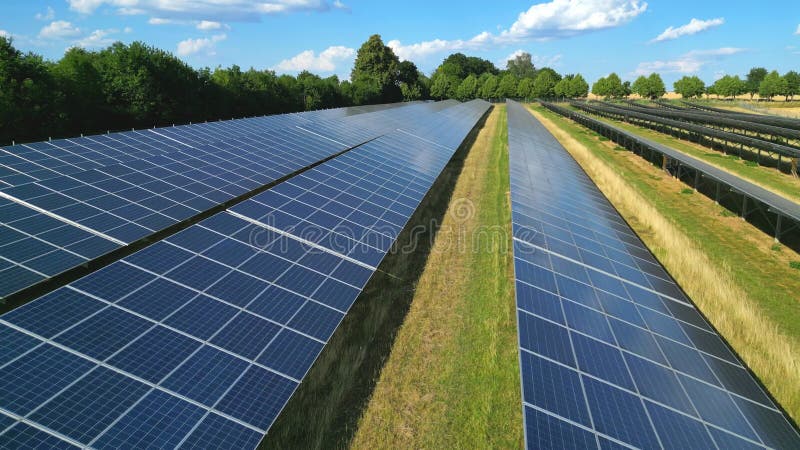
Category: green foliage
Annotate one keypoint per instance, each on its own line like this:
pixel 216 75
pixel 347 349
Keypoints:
pixel 489 87
pixel 729 86
pixel 468 89
pixel 651 87
pixel 689 87
pixel 376 73
pixel 795 265
pixel 525 89
pixel 462 66
pixel 521 66
pixel 754 79
pixel 773 84
pixel 507 87
pixel 578 87
pixel 687 191
pixel 792 84
pixel 610 86
pixel 135 85
pixel 544 85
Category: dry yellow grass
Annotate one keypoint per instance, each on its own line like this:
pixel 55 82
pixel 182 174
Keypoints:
pixel 768 352
pixel 452 379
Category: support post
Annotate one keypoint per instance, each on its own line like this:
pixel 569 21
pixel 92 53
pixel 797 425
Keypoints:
pixel 696 179
pixel 744 206
pixel 778 228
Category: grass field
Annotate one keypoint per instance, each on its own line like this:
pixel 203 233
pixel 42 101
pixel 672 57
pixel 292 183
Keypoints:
pixel 452 379
pixel 766 177
pixel 742 282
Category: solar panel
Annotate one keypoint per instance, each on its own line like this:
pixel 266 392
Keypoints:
pixel 82 198
pixel 201 338
pixel 611 350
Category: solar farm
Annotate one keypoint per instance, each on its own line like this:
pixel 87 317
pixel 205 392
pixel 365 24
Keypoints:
pixel 190 286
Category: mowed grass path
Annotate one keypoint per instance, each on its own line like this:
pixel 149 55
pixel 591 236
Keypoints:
pixel 452 378
pixel 767 177
pixel 732 271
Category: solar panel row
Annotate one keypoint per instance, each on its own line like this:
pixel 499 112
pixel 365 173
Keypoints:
pixel 612 353
pixel 69 201
pixel 200 339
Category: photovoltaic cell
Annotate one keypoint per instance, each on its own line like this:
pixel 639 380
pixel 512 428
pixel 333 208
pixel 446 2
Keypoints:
pixel 601 324
pixel 214 327
pixel 68 201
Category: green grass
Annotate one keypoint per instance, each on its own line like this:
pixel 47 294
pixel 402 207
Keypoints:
pixel 767 177
pixel 795 265
pixel 452 380
pixel 687 191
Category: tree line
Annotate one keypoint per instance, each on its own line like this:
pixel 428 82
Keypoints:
pixel 758 81
pixel 139 86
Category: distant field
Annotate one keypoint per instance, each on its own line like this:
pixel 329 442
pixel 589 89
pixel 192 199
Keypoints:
pixel 741 281
pixel 452 379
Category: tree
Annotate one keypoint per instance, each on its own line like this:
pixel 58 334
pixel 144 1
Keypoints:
pixel 375 73
pixel 525 89
pixel 444 86
pixel 562 89
pixel 463 66
pixel 521 66
pixel 468 89
pixel 544 85
pixel 610 86
pixel 578 87
pixel 651 87
pixel 772 85
pixel 792 84
pixel 754 79
pixel 689 87
pixel 489 88
pixel 507 87
pixel 729 86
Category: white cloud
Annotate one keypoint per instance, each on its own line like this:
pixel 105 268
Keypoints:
pixel 204 45
pixel 339 5
pixel 798 30
pixel 690 62
pixel 209 25
pixel 59 29
pixel 693 27
pixel 128 30
pixel 49 14
pixel 326 61
pixel 233 10
pixel 5 34
pixel 97 39
pixel 161 21
pixel 565 18
pixel 545 21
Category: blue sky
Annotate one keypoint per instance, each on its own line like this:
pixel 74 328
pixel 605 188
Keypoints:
pixel 592 37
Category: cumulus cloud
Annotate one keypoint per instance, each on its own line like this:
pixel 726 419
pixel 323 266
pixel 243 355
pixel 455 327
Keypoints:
pixel 798 30
pixel 97 39
pixel 161 21
pixel 326 61
pixel 49 14
pixel 5 34
pixel 208 25
pixel 542 22
pixel 693 27
pixel 202 45
pixel 240 10
pixel 59 29
pixel 690 62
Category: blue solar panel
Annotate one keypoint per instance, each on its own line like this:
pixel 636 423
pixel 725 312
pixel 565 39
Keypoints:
pixel 220 322
pixel 611 350
pixel 104 192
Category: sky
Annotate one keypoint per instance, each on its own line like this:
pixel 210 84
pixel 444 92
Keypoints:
pixel 708 38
